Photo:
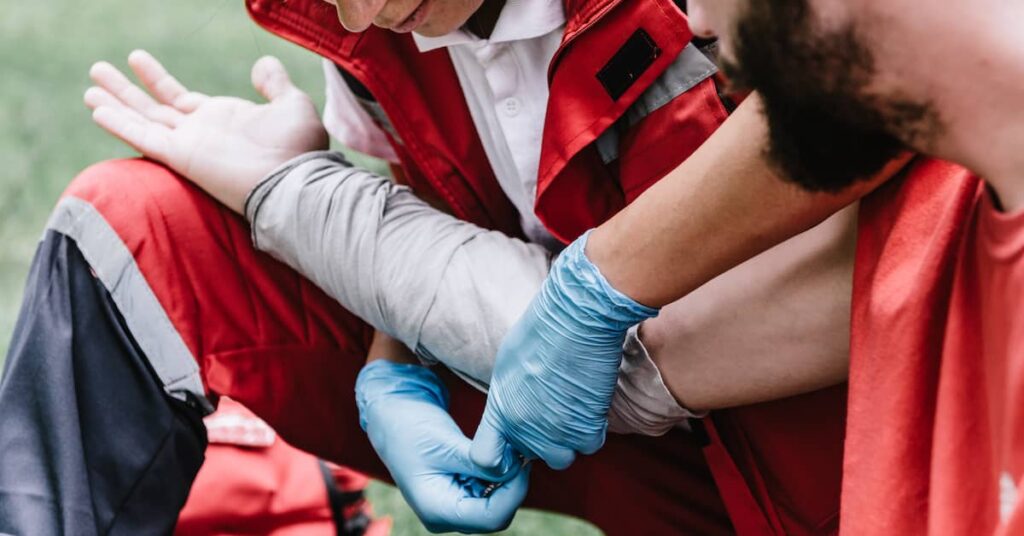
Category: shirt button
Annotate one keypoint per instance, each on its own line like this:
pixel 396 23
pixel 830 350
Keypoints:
pixel 512 106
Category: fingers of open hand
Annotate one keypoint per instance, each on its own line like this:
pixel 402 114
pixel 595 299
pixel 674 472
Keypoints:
pixel 150 138
pixel 165 87
pixel 96 96
pixel 157 80
pixel 109 78
pixel 271 79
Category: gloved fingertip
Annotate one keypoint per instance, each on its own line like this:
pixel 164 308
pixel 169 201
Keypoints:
pixel 559 458
pixel 488 451
pixel 595 443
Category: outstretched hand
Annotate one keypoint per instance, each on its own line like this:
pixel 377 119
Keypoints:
pixel 223 144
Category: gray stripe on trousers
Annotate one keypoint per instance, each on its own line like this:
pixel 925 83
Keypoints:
pixel 145 317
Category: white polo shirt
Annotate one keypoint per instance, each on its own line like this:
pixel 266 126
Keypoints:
pixel 504 80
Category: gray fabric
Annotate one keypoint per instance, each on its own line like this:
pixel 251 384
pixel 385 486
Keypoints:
pixel 115 266
pixel 444 287
pixel 90 444
pixel 643 401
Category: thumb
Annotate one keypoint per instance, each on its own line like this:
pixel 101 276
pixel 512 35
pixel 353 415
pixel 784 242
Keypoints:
pixel 491 452
pixel 494 513
pixel 595 441
pixel 270 78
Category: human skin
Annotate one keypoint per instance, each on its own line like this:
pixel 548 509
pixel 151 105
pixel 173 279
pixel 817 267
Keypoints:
pixel 440 17
pixel 983 134
pixel 389 349
pixel 806 282
pixel 727 189
pixel 938 57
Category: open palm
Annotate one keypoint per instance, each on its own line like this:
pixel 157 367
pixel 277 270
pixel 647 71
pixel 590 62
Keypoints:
pixel 223 144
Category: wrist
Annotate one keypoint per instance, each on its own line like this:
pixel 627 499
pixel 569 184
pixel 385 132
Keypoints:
pixel 390 349
pixel 385 379
pixel 582 283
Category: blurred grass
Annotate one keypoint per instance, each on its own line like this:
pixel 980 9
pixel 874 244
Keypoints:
pixel 46 135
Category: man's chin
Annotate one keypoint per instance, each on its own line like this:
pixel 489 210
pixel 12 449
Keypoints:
pixel 432 28
pixel 430 31
pixel 822 154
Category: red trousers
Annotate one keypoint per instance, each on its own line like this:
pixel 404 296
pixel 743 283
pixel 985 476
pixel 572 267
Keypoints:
pixel 253 483
pixel 267 337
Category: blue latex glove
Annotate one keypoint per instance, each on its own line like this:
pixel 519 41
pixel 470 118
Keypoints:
pixel 556 370
pixel 404 411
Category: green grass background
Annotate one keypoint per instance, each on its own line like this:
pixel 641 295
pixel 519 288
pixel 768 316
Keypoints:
pixel 46 135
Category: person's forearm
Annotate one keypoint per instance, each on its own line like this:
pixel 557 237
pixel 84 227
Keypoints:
pixel 443 287
pixel 775 326
pixel 351 232
pixel 719 208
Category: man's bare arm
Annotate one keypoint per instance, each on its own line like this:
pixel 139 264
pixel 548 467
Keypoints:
pixel 775 326
pixel 721 207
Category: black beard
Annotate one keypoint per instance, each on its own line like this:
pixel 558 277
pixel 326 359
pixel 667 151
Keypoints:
pixel 825 131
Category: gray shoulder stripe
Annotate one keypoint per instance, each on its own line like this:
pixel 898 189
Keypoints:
pixel 115 267
pixel 690 68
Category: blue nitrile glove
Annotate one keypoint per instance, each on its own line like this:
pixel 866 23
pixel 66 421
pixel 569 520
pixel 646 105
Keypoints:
pixel 555 373
pixel 404 411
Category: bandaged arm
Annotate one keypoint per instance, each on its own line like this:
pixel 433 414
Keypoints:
pixel 775 326
pixel 446 288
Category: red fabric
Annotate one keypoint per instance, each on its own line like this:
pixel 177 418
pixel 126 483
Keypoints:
pixel 437 141
pixel 443 158
pixel 937 364
pixel 570 198
pixel 270 489
pixel 790 455
pixel 438 146
pixel 667 137
pixel 268 338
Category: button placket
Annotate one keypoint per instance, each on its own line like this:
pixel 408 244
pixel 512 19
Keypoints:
pixel 512 106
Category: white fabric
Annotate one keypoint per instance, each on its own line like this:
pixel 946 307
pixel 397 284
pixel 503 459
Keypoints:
pixel 504 80
pixel 443 286
pixel 349 123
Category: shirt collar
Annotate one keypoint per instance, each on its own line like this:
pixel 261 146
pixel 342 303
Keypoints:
pixel 519 20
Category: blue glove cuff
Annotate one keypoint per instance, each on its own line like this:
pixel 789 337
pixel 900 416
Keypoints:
pixel 383 378
pixel 582 283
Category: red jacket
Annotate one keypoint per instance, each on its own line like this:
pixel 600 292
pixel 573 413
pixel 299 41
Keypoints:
pixel 615 125
pixel 438 145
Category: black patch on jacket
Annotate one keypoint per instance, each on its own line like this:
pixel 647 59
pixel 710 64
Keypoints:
pixel 626 66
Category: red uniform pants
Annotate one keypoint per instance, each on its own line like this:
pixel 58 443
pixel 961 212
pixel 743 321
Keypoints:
pixel 265 336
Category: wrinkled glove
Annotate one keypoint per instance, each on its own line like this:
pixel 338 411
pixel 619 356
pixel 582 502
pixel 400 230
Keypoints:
pixel 404 411
pixel 556 370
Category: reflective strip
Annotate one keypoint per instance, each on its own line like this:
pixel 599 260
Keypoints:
pixel 690 68
pixel 146 319
pixel 1007 496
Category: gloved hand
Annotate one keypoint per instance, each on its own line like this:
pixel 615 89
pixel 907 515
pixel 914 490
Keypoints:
pixel 403 409
pixel 556 370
